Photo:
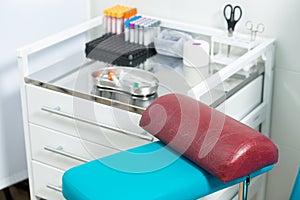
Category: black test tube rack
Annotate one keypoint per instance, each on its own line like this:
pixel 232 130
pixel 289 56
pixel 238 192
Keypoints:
pixel 111 48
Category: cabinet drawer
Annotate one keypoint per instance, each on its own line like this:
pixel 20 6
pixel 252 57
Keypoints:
pixel 47 181
pixel 63 151
pixel 245 100
pixel 84 119
pixel 256 117
pixel 37 98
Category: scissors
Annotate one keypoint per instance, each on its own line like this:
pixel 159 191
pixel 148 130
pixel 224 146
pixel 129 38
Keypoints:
pixel 259 29
pixel 230 14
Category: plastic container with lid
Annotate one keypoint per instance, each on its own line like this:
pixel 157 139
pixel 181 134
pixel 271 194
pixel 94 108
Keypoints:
pixel 195 61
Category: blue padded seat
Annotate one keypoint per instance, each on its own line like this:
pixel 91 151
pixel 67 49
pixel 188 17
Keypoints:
pixel 147 172
pixel 295 195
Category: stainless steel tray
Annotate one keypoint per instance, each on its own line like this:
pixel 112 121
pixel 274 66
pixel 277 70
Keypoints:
pixel 133 81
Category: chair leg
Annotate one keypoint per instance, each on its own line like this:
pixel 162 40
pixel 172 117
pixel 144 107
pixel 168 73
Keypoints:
pixel 243 192
pixel 7 194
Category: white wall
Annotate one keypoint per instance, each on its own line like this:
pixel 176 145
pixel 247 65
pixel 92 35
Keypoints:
pixel 281 19
pixel 23 22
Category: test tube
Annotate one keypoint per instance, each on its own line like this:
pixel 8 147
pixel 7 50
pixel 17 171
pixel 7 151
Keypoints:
pixel 141 35
pixel 127 27
pixel 148 32
pixel 113 23
pixel 119 24
pixel 108 25
pixel 104 20
pixel 154 24
pixel 131 32
pixel 126 30
pixel 141 32
pixel 156 29
pixel 136 32
pixel 104 23
pixel 136 29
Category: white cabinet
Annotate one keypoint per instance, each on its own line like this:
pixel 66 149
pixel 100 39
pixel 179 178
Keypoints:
pixel 66 126
pixel 58 143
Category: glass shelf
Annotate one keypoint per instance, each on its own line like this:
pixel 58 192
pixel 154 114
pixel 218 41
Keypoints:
pixel 69 77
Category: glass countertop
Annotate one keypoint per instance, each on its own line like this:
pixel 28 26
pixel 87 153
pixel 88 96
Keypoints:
pixel 73 76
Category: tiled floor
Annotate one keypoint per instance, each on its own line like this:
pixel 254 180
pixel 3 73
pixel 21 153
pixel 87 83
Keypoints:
pixel 19 191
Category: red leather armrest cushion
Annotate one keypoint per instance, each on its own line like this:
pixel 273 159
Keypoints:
pixel 221 145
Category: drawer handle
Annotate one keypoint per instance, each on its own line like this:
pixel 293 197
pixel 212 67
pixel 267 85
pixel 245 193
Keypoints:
pixel 255 118
pixel 53 187
pixel 59 150
pixel 58 112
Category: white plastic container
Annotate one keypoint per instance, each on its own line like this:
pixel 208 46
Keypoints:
pixel 195 60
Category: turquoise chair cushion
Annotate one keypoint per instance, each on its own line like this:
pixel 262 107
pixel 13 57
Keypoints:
pixel 295 195
pixel 152 171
